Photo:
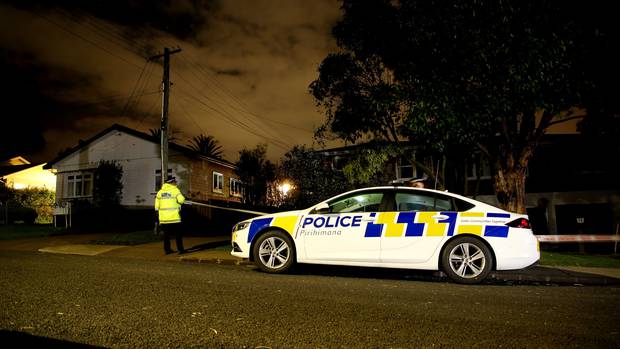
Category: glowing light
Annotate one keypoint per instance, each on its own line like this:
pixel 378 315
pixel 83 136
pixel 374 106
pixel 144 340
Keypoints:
pixel 19 186
pixel 285 188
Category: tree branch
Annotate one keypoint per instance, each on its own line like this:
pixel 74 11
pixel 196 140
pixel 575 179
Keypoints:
pixel 567 119
pixel 483 149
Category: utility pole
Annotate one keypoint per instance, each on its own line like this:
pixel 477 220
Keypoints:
pixel 164 110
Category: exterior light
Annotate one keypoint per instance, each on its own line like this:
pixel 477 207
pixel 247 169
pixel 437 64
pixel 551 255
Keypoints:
pixel 284 188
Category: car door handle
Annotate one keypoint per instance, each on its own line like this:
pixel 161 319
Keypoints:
pixel 440 217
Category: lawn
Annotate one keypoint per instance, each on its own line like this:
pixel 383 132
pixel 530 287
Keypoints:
pixel 25 231
pixel 578 260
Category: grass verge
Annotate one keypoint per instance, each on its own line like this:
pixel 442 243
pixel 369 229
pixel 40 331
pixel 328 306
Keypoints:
pixel 129 239
pixel 578 260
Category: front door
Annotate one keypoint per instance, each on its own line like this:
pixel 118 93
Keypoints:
pixel 342 234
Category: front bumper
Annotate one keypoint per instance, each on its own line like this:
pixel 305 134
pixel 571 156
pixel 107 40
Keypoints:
pixel 241 247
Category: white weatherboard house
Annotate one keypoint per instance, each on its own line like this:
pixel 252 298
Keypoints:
pixel 199 177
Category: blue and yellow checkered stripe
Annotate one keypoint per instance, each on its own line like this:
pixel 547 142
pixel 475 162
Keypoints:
pixel 287 223
pixel 406 224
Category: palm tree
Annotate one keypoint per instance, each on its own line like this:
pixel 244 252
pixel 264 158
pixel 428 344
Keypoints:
pixel 207 146
pixel 156 133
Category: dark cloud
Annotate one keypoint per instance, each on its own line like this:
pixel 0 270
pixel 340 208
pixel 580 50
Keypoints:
pixel 83 68
pixel 32 99
pixel 181 18
pixel 231 72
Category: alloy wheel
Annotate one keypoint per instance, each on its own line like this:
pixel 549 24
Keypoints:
pixel 467 260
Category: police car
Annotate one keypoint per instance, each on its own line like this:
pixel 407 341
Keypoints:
pixel 394 227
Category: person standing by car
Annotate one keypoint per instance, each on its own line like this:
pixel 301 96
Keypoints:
pixel 168 207
pixel 417 183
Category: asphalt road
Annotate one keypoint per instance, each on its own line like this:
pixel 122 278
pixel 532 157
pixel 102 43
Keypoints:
pixel 68 300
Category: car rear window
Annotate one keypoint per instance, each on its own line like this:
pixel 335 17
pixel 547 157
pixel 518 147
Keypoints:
pixel 462 205
pixel 422 202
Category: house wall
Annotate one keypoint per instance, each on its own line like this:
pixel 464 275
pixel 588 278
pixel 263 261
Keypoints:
pixel 139 159
pixel 606 213
pixel 201 183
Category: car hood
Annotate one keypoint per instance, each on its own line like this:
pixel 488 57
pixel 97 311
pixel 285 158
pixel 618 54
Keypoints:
pixel 282 214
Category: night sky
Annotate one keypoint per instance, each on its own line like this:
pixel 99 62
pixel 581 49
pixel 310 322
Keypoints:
pixel 74 68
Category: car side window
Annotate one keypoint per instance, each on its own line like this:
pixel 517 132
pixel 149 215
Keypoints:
pixel 363 202
pixel 462 205
pixel 422 202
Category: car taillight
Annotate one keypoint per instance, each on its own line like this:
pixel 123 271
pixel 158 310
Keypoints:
pixel 520 223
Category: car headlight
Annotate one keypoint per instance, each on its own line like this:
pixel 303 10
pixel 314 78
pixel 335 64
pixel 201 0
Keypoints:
pixel 240 226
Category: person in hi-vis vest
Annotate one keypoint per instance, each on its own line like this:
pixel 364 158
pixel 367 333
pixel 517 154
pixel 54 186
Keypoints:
pixel 168 206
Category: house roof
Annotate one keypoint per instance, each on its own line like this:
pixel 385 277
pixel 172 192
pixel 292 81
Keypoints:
pixel 8 170
pixel 14 161
pixel 116 127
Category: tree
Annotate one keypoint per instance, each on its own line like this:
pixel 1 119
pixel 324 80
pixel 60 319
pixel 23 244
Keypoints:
pixel 156 133
pixel 312 180
pixel 256 172
pixel 107 185
pixel 207 146
pixel 485 74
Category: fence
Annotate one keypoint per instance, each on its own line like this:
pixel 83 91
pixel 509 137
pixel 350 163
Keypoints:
pixel 12 212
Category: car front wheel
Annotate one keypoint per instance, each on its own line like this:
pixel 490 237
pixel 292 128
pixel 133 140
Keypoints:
pixel 274 252
pixel 467 260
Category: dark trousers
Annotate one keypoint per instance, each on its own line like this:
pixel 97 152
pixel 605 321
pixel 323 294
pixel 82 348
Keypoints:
pixel 172 229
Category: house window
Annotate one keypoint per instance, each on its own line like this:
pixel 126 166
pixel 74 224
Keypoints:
pixel 478 165
pixel 80 185
pixel 158 178
pixel 235 187
pixel 405 169
pixel 218 182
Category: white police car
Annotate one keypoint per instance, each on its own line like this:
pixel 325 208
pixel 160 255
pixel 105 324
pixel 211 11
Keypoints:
pixel 395 227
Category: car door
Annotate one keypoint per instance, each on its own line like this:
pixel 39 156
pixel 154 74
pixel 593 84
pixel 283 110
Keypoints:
pixel 416 227
pixel 340 234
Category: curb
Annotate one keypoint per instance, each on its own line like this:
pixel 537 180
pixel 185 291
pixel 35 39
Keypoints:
pixel 223 261
pixel 567 278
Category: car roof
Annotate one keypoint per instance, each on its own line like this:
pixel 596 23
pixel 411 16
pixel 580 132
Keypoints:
pixel 480 204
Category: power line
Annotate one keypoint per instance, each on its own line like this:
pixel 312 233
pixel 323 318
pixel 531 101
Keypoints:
pixel 242 107
pixel 113 98
pixel 102 30
pixel 277 143
pixel 142 88
pixel 108 33
pixel 86 40
pixel 125 109
pixel 231 118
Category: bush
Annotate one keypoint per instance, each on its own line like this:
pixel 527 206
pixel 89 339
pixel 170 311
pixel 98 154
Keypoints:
pixel 40 200
pixel 30 205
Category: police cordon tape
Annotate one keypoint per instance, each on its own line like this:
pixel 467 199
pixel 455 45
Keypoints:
pixel 541 238
pixel 189 202
pixel 577 238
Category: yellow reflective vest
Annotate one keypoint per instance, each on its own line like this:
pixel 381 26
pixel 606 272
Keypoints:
pixel 168 203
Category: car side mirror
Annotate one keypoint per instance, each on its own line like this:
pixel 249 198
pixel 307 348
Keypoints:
pixel 321 208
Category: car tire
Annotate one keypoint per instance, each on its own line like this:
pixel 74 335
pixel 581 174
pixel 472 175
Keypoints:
pixel 467 260
pixel 274 252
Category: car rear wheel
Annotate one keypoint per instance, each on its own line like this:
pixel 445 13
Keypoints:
pixel 467 260
pixel 274 252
